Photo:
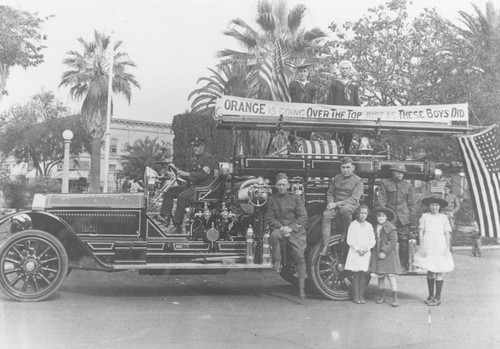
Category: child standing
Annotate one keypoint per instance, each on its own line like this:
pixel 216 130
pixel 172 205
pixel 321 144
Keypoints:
pixel 384 260
pixel 435 255
pixel 360 239
pixel 477 247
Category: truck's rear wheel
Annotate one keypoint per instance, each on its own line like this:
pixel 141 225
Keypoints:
pixel 327 272
pixel 33 265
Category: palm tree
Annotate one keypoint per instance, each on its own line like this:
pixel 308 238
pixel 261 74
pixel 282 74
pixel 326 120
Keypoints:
pixel 270 53
pixel 229 79
pixel 275 47
pixel 483 32
pixel 88 80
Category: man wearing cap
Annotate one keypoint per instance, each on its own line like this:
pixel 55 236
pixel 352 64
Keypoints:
pixel 343 195
pixel 201 173
pixel 286 215
pixel 343 91
pixel 397 195
pixel 302 91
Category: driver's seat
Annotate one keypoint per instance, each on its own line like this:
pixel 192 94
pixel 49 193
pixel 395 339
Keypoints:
pixel 213 192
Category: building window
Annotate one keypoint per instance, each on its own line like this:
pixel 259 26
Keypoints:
pixel 113 147
pixel 112 168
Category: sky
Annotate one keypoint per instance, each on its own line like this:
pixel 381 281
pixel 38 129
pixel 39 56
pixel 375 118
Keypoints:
pixel 172 42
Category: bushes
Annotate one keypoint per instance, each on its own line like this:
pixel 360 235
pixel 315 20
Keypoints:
pixel 19 195
pixel 465 215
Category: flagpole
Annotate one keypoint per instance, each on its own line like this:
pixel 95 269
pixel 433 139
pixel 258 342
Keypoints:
pixel 108 115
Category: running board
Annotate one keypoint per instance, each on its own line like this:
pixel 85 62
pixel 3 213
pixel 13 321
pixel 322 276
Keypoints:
pixel 172 266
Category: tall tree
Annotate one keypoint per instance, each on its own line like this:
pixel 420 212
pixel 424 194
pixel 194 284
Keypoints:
pixel 274 47
pixel 88 80
pixel 482 35
pixel 404 60
pixel 20 41
pixel 33 132
pixel 270 53
pixel 229 78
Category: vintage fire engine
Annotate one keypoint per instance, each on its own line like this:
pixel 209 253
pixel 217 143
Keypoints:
pixel 223 230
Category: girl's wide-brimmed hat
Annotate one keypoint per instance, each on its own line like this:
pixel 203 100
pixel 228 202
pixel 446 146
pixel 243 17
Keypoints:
pixel 388 212
pixel 435 200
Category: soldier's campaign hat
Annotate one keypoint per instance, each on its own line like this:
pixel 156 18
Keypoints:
pixel 281 176
pixel 346 160
pixel 435 200
pixel 399 168
pixel 196 141
pixel 388 212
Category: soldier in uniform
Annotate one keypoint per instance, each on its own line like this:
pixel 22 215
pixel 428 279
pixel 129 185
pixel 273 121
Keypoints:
pixel 286 215
pixel 343 195
pixel 397 195
pixel 200 174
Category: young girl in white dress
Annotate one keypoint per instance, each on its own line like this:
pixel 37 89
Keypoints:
pixel 435 255
pixel 361 239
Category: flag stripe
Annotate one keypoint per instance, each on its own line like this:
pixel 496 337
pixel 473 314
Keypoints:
pixel 273 72
pixel 481 159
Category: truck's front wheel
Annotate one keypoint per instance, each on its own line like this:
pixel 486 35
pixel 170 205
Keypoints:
pixel 327 272
pixel 33 265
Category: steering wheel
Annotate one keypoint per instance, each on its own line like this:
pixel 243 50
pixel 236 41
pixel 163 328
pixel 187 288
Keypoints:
pixel 174 171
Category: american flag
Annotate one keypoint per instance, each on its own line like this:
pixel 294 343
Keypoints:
pixel 273 72
pixel 482 163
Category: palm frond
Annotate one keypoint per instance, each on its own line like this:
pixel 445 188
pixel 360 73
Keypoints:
pixel 295 17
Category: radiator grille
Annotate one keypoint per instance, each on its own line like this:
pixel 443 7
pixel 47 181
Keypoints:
pixel 103 223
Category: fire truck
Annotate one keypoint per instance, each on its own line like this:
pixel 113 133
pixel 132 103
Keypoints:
pixel 224 229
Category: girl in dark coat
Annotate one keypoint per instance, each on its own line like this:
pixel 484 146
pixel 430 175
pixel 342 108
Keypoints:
pixel 384 260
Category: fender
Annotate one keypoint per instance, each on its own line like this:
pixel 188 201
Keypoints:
pixel 80 255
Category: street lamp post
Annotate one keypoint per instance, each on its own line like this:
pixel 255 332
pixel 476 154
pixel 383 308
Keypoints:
pixel 68 136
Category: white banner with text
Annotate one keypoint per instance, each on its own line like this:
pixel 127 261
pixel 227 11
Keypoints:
pixel 445 113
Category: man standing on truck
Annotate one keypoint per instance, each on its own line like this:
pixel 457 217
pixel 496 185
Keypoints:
pixel 343 91
pixel 397 195
pixel 302 91
pixel 286 215
pixel 343 195
pixel 201 173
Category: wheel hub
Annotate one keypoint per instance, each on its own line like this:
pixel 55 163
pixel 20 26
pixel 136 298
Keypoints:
pixel 30 266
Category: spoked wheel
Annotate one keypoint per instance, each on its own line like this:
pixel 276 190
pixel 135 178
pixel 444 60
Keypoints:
pixel 327 272
pixel 33 265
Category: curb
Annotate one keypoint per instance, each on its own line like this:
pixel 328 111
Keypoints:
pixel 488 247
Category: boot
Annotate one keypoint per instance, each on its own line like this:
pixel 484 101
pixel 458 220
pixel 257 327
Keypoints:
pixel 430 286
pixel 324 247
pixel 395 302
pixel 355 288
pixel 302 292
pixel 381 296
pixel 362 287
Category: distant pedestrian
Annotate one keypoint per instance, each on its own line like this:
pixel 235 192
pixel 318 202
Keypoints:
pixel 384 262
pixel 126 185
pixel 453 204
pixel 435 255
pixel 477 246
pixel 360 239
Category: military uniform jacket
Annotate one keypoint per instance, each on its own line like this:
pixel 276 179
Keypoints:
pixel 202 169
pixel 286 210
pixel 302 93
pixel 345 190
pixel 398 196
pixel 343 94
